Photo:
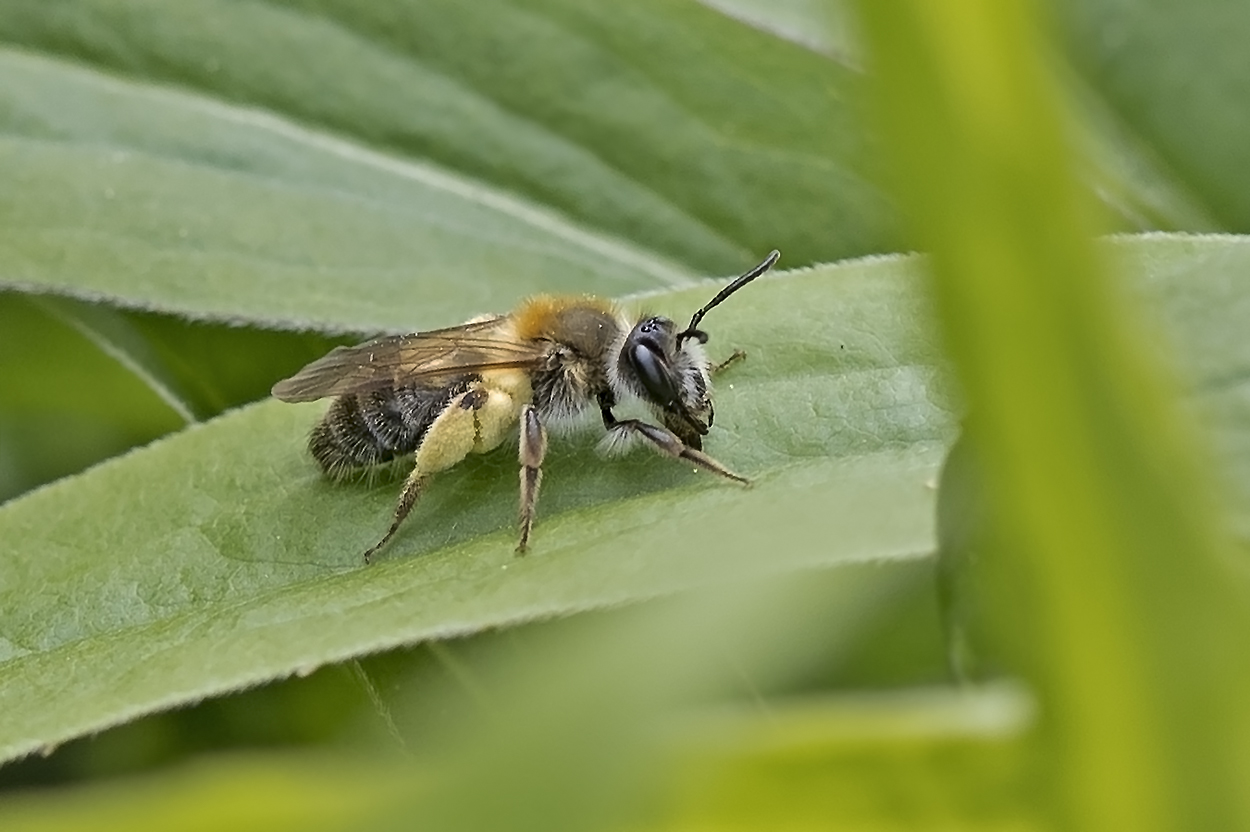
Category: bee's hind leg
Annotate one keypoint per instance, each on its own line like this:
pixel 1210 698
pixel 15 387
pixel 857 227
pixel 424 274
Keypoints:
pixel 407 499
pixel 472 422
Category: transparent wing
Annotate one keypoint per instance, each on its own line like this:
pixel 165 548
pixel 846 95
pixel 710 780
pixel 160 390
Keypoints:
pixel 397 360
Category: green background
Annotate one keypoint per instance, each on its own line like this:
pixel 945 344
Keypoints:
pixel 199 198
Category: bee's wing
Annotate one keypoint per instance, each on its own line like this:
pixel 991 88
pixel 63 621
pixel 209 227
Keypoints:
pixel 397 360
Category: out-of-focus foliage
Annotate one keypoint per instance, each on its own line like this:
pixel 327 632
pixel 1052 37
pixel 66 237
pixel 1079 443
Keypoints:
pixel 200 197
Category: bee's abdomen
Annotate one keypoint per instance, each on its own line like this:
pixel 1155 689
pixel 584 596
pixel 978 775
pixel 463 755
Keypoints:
pixel 373 428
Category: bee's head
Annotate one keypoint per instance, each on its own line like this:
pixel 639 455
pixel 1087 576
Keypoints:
pixel 647 359
pixel 669 376
pixel 668 370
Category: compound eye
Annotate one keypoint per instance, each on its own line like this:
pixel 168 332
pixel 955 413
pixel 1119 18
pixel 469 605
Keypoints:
pixel 653 373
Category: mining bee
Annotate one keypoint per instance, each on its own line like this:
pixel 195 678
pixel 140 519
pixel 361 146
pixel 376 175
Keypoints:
pixel 444 394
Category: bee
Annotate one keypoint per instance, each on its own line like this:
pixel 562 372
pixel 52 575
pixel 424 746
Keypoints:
pixel 444 394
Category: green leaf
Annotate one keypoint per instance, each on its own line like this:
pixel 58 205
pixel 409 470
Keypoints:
pixel 223 541
pixel 864 760
pixel 84 382
pixel 1196 298
pixel 398 150
pixel 65 404
pixel 915 760
pixel 1170 71
pixel 219 558
pixel 240 793
pixel 286 232
pixel 407 164
pixel 1109 573
pixel 1122 164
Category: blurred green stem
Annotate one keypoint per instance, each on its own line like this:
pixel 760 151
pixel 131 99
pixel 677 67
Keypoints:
pixel 1107 571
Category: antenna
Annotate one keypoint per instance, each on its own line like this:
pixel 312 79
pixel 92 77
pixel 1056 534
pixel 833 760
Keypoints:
pixel 692 331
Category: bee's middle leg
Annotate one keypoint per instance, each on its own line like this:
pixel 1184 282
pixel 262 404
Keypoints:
pixel 734 358
pixel 533 449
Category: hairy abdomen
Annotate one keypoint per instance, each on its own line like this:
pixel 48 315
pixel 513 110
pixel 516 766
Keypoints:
pixel 374 428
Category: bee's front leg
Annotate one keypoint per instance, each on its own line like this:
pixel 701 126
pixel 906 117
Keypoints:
pixel 668 443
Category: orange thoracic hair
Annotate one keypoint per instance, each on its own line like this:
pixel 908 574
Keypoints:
pixel 546 316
